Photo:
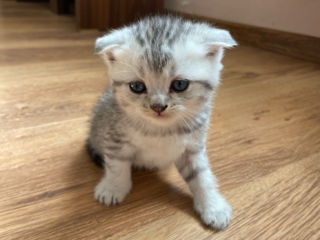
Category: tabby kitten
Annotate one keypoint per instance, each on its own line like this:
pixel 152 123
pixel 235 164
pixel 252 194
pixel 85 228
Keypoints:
pixel 163 73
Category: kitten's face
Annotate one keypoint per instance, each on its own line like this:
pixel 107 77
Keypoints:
pixel 178 92
pixel 160 80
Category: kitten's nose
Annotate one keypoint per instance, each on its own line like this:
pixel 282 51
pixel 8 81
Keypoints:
pixel 158 108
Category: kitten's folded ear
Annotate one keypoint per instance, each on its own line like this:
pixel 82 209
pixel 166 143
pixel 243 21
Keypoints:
pixel 217 39
pixel 221 38
pixel 109 46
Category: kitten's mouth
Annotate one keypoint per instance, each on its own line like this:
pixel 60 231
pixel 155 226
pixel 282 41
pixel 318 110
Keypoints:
pixel 160 116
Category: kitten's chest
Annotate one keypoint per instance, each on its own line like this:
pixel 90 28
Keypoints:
pixel 157 152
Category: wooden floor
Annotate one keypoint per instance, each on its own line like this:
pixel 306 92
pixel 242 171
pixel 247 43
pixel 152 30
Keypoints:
pixel 264 143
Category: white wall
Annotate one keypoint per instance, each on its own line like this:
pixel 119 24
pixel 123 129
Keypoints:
pixel 297 16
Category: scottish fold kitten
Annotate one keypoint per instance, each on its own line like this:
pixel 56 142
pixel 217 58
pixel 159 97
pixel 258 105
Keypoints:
pixel 162 75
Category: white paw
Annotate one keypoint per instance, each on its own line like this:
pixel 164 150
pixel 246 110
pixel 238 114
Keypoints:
pixel 216 214
pixel 109 194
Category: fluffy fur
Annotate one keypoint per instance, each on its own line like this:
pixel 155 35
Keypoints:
pixel 126 131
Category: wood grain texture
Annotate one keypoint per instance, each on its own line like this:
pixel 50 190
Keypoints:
pixel 264 143
pixel 290 44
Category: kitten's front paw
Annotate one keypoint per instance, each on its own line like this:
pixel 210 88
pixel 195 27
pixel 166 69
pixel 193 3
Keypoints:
pixel 108 194
pixel 216 214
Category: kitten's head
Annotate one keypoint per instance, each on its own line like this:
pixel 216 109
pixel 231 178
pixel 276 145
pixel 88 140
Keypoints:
pixel 164 69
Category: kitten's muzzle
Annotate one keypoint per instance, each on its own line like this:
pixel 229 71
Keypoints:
pixel 158 108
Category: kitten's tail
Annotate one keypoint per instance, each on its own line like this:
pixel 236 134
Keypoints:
pixel 95 156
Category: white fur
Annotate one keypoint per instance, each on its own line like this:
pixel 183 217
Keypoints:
pixel 157 152
pixel 116 183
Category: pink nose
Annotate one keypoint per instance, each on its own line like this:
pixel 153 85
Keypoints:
pixel 158 108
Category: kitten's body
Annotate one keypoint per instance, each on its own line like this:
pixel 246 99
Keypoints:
pixel 129 129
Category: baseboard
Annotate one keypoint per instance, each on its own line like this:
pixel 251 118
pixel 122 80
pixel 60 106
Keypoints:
pixel 291 44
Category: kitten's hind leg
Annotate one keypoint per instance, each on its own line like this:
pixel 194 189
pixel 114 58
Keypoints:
pixel 208 202
pixel 116 183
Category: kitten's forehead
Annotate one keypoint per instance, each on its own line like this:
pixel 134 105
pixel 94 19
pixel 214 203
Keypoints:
pixel 155 36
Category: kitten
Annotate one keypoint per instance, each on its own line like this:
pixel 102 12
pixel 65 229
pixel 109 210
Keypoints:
pixel 163 73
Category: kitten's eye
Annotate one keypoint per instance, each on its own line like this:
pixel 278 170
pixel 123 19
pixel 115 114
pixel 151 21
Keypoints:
pixel 179 85
pixel 137 87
